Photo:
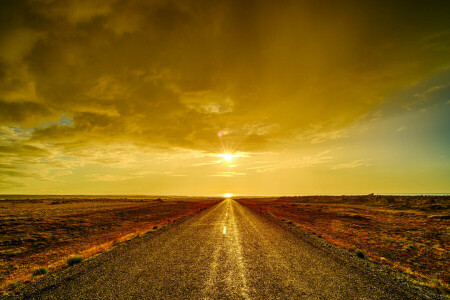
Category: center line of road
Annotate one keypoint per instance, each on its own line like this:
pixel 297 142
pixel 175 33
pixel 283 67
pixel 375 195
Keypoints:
pixel 224 229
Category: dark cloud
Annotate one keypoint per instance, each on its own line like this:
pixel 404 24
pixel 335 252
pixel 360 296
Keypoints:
pixel 21 113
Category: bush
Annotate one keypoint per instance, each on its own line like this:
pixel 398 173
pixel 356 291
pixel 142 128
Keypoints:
pixel 40 271
pixel 155 227
pixel 74 260
pixel 13 286
pixel 290 222
pixel 409 248
pixel 360 254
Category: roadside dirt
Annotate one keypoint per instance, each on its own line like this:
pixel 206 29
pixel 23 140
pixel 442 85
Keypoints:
pixel 408 234
pixel 46 232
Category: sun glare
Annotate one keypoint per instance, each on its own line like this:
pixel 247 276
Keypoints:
pixel 227 195
pixel 227 156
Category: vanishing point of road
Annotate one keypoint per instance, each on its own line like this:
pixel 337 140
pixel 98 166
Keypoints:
pixel 228 251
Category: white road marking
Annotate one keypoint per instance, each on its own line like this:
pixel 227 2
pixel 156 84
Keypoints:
pixel 234 277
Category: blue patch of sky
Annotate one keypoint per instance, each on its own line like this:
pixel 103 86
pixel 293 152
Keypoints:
pixel 14 133
pixel 420 116
pixel 414 127
pixel 64 121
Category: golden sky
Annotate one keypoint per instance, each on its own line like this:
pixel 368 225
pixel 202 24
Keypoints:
pixel 212 97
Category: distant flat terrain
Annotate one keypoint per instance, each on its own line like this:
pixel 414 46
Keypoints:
pixel 227 251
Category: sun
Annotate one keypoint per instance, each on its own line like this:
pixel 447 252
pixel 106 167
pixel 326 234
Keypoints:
pixel 227 195
pixel 226 156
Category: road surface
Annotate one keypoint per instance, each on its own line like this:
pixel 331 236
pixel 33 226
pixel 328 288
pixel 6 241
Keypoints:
pixel 225 252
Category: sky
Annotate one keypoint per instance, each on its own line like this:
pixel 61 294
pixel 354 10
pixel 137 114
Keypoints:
pixel 213 97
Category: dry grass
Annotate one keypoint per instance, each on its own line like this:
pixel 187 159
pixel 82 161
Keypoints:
pixel 44 232
pixel 410 234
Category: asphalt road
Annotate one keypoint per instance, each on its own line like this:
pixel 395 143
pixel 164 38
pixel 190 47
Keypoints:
pixel 225 252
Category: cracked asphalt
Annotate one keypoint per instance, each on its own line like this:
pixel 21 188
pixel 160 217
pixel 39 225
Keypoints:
pixel 225 252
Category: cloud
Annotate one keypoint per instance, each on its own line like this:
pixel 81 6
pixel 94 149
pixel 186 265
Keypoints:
pixel 7 184
pixel 72 11
pixel 172 74
pixel 353 164
pixel 17 43
pixel 425 94
pixel 10 134
pixel 423 97
pixel 227 174
pixel 208 163
pixel 206 102
pixel 179 72
pixel 63 173
pixel 20 113
pixel 16 79
pixel 109 177
pixel 285 161
pixel 21 159
pixel 325 131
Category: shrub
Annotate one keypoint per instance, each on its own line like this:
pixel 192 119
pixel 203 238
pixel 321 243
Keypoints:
pixel 40 271
pixel 360 254
pixel 290 222
pixel 409 248
pixel 13 286
pixel 436 282
pixel 155 227
pixel 74 260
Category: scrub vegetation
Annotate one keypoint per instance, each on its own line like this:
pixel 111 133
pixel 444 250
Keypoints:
pixel 409 234
pixel 74 260
pixel 40 233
